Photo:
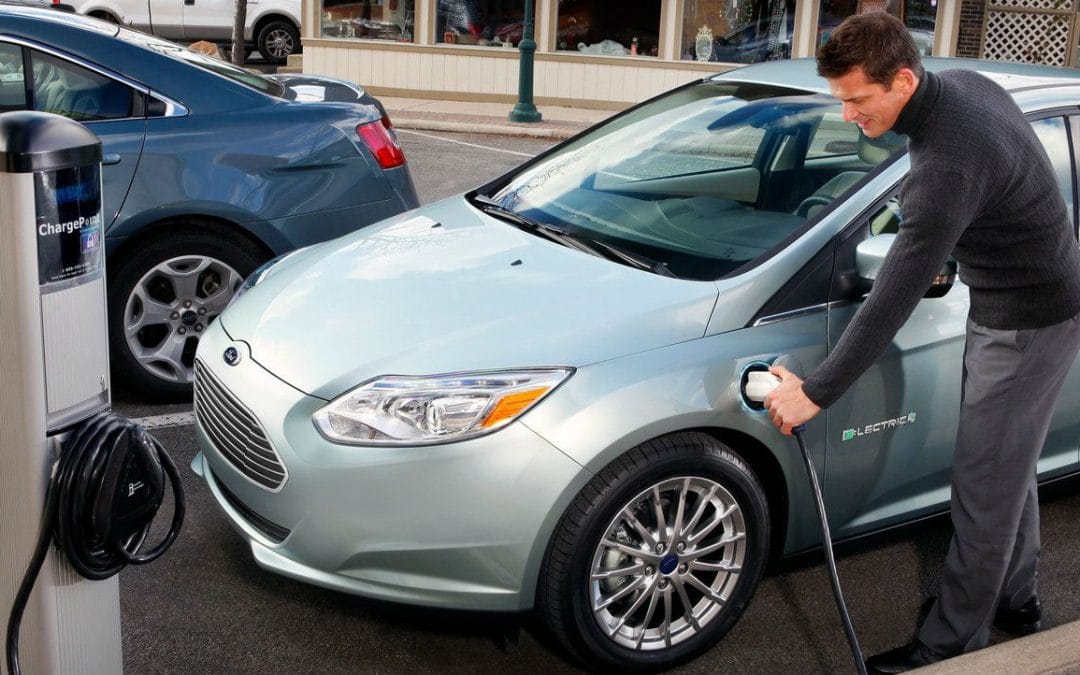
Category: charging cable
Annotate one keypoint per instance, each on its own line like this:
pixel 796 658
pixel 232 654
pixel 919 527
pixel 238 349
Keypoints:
pixel 103 494
pixel 758 385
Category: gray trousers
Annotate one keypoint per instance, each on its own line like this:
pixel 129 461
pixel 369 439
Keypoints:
pixel 1011 382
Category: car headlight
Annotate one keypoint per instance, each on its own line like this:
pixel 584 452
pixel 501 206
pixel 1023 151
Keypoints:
pixel 399 410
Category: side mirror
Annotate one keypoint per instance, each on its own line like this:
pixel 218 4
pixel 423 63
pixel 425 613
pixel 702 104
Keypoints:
pixel 870 255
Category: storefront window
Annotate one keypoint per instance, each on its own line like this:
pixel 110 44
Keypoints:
pixel 487 23
pixel 737 31
pixel 920 17
pixel 371 19
pixel 609 27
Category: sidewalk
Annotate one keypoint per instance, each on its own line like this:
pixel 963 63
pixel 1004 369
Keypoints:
pixel 558 123
pixel 1051 652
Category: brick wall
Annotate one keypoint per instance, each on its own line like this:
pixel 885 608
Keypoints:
pixel 970 39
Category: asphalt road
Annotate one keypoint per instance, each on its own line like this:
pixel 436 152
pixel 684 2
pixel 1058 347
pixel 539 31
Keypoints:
pixel 207 608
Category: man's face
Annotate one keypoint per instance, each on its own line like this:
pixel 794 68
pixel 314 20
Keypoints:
pixel 873 106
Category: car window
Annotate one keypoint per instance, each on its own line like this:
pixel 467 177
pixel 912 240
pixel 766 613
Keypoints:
pixel 248 78
pixel 1055 139
pixel 67 89
pixel 12 87
pixel 703 180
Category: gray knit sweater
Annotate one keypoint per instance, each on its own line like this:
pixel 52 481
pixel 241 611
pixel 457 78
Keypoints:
pixel 981 189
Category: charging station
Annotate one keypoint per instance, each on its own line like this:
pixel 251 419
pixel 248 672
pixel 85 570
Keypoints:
pixel 53 375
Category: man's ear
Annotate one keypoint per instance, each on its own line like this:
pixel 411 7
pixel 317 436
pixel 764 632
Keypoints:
pixel 905 81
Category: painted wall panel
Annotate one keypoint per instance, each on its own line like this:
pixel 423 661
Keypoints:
pixel 428 72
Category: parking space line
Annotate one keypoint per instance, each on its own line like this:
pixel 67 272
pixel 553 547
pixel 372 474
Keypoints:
pixel 471 145
pixel 172 420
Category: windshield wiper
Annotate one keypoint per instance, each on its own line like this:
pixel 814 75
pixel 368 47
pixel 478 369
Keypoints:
pixel 634 259
pixel 492 207
pixel 577 242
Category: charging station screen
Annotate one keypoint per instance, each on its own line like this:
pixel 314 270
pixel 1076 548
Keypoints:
pixel 71 233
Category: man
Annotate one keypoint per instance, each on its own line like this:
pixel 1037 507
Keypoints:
pixel 981 189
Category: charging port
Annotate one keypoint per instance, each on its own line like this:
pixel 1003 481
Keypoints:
pixel 756 366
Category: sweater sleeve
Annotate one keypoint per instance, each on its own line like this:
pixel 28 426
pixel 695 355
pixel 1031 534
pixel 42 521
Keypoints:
pixel 937 206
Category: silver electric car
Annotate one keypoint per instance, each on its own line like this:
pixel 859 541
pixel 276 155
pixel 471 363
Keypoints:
pixel 530 396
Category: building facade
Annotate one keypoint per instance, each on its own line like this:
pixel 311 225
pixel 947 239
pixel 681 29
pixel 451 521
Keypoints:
pixel 609 53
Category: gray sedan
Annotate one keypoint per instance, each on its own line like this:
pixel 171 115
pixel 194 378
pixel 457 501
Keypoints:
pixel 531 396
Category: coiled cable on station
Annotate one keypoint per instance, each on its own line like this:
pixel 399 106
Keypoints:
pixel 103 494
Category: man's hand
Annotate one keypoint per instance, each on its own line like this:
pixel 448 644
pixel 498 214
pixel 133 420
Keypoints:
pixel 788 406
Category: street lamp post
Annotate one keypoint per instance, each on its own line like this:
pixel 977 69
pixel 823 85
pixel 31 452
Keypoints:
pixel 525 111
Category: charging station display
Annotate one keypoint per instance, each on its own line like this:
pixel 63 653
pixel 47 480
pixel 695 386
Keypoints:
pixel 70 231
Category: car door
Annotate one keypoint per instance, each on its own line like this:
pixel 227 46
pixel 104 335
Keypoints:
pixel 167 17
pixel 113 110
pixel 210 19
pixel 890 437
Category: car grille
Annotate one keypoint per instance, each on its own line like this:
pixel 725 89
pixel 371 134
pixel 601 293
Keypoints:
pixel 235 432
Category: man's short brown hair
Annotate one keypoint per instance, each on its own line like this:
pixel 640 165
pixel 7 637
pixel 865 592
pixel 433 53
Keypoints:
pixel 877 42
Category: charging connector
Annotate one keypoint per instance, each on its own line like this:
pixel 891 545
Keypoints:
pixel 103 494
pixel 757 383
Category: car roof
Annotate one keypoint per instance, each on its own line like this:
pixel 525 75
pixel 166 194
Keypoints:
pixel 48 13
pixel 802 73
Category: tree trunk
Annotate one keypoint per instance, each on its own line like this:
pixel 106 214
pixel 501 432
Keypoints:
pixel 238 46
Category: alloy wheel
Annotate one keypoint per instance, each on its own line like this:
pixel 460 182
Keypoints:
pixel 667 563
pixel 169 308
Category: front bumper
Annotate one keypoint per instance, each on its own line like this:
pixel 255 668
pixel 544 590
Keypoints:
pixel 461 525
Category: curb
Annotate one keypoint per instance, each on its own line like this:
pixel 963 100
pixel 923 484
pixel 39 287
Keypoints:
pixel 496 129
pixel 1049 652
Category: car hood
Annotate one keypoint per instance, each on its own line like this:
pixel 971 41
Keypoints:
pixel 448 289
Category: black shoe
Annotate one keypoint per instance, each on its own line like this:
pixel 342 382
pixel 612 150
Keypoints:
pixel 902 659
pixel 1025 620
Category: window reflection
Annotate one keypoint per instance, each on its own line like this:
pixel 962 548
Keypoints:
pixel 609 27
pixel 494 23
pixel 737 31
pixel 370 19
pixel 920 17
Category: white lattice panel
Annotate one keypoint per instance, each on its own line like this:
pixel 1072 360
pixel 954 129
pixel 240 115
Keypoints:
pixel 1027 37
pixel 1035 4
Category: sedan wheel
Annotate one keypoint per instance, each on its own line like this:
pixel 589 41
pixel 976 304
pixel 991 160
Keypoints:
pixel 658 556
pixel 163 300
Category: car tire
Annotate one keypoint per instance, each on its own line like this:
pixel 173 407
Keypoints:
pixel 584 592
pixel 162 296
pixel 276 40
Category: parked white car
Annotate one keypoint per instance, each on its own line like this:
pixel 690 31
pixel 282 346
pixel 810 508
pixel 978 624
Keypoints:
pixel 271 26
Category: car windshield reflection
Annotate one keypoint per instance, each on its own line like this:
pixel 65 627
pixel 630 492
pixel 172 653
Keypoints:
pixel 704 180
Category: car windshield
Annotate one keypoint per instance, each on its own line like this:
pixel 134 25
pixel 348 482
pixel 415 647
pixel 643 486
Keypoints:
pixel 703 180
pixel 199 60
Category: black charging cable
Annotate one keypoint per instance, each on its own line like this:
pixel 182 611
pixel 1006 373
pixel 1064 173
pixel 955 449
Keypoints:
pixel 830 560
pixel 103 494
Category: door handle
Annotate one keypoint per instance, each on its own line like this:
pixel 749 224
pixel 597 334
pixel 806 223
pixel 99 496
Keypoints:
pixel 112 158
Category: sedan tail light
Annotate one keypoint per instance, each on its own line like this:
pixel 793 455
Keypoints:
pixel 382 144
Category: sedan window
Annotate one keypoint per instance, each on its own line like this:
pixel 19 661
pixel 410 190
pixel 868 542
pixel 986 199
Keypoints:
pixel 12 87
pixel 64 88
pixel 703 180
pixel 1055 139
pixel 231 71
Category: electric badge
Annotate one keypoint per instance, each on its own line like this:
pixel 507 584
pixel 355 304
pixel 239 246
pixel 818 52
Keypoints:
pixel 903 420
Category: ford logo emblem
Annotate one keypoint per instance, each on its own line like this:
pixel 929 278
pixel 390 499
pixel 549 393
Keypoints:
pixel 231 356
